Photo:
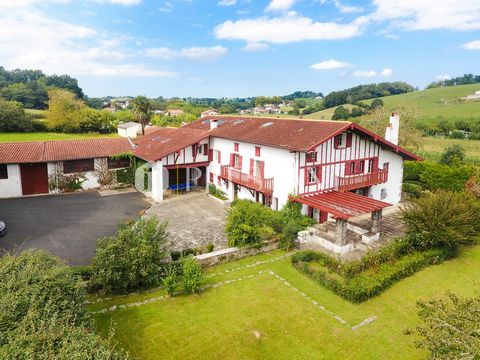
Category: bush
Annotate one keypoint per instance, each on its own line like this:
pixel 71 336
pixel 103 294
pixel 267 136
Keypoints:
pixel 370 276
pixel 210 247
pixel 132 259
pixel 453 155
pixel 13 117
pixel 42 311
pixel 457 134
pixel 170 279
pixel 214 191
pixel 84 271
pixel 442 219
pixel 192 276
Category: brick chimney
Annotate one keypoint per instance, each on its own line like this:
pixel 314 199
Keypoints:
pixel 393 128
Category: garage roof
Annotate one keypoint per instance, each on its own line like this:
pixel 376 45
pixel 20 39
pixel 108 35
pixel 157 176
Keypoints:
pixel 46 151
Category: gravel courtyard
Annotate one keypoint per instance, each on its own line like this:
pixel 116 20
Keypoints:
pixel 194 220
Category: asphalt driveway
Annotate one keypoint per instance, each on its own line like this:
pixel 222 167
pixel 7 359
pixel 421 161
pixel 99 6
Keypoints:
pixel 66 225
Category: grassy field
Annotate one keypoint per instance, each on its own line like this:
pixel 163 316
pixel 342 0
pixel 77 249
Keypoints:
pixel 431 103
pixel 43 136
pixel 433 147
pixel 260 317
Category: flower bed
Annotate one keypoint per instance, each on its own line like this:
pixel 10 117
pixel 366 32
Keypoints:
pixel 362 279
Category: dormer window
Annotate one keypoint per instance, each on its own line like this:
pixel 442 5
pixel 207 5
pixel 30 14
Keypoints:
pixel 312 156
pixel 343 141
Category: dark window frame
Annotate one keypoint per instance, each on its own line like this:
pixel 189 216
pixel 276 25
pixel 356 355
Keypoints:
pixel 118 163
pixel 78 166
pixel 3 171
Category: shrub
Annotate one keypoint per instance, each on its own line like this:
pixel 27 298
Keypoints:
pixel 192 276
pixel 170 279
pixel 42 311
pixel 442 219
pixel 451 327
pixel 292 211
pixel 214 191
pixel 453 155
pixel 457 134
pixel 354 281
pixel 289 235
pixel 84 271
pixel 132 259
pixel 210 247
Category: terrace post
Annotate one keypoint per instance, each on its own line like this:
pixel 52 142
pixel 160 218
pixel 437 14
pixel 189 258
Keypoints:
pixel 376 221
pixel 341 232
pixel 157 181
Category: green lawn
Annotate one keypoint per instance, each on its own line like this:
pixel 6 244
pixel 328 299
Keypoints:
pixel 433 147
pixel 43 136
pixel 219 323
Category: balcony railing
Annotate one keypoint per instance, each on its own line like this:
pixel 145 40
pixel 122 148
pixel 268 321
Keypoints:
pixel 363 180
pixel 249 181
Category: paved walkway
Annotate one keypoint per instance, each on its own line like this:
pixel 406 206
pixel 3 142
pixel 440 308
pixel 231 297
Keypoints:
pixel 194 220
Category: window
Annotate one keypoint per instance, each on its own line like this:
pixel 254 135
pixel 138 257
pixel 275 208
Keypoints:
pixel 312 175
pixel 235 146
pixel 257 150
pixel 259 169
pixel 361 166
pixel 352 168
pixel 205 149
pixel 237 161
pixel 312 156
pixel 3 171
pixel 118 163
pixel 194 149
pixel 219 156
pixel 340 141
pixel 76 166
pixel 383 194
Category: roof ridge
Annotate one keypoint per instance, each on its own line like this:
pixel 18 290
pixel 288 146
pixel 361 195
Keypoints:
pixel 275 118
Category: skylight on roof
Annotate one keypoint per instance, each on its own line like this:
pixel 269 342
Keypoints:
pixel 239 121
pixel 267 124
pixel 220 122
pixel 206 122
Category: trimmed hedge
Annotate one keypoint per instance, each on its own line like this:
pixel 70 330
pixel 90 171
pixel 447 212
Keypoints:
pixel 360 280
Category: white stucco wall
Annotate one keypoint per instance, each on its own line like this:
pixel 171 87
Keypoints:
pixel 279 164
pixel 12 186
pixel 393 187
pixel 186 156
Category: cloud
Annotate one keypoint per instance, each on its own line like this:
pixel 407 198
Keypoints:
pixel 280 5
pixel 472 45
pixel 347 9
pixel 442 77
pixel 386 72
pixel 194 53
pixel 289 28
pixel 66 48
pixel 256 46
pixel 227 2
pixel 428 14
pixel 364 73
pixel 330 65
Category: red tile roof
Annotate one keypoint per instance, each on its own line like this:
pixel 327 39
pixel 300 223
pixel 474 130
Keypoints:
pixel 290 134
pixel 163 141
pixel 342 205
pixel 45 151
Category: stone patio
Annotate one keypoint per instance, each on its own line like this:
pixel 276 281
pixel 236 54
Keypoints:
pixel 194 220
pixel 391 227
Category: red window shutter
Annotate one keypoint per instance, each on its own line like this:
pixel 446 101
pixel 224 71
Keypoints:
pixel 257 150
pixel 349 140
pixel 347 168
pixel 235 146
pixel 205 149
pixel 219 157
pixel 232 160
pixel 319 174
pixel 262 169
pixel 210 155
pixel 194 150
pixel 240 162
pixel 306 176
pixel 375 165
pixel 252 163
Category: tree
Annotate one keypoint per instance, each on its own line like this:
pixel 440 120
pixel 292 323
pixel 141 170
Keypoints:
pixel 141 111
pixel 357 111
pixel 341 113
pixel 442 219
pixel 453 155
pixel 13 117
pixel 63 110
pixel 64 82
pixel 376 103
pixel 43 313
pixel 132 259
pixel 300 103
pixel 451 327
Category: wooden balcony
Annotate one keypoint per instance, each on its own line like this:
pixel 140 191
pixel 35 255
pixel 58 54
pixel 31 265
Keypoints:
pixel 353 182
pixel 252 182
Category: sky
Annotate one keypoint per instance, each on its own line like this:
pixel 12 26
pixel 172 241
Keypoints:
pixel 240 48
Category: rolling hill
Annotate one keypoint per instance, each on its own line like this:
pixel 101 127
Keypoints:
pixel 431 104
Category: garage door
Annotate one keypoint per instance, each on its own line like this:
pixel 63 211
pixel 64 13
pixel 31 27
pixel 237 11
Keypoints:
pixel 34 178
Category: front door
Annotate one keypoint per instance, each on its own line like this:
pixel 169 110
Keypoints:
pixel 34 178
